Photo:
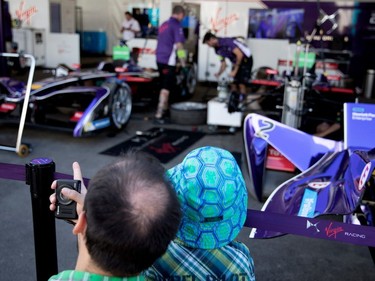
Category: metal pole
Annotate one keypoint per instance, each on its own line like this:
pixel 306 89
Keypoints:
pixel 3 66
pixel 369 83
pixel 39 175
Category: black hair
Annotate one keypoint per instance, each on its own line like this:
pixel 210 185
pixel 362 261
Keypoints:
pixel 129 14
pixel 178 10
pixel 132 214
pixel 208 36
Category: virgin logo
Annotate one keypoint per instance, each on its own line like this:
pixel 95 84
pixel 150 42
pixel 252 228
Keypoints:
pixel 25 15
pixel 219 23
pixel 333 231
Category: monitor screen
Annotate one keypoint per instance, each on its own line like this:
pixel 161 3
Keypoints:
pixel 276 23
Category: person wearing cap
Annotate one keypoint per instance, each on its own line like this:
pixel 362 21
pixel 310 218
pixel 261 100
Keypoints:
pixel 213 198
pixel 242 63
pixel 169 50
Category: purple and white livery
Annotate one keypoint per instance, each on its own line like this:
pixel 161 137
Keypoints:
pixel 82 102
pixel 333 180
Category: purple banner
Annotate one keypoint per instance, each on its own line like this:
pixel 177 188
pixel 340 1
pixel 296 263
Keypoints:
pixel 312 227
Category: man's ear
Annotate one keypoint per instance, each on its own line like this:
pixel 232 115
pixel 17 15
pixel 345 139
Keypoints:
pixel 81 224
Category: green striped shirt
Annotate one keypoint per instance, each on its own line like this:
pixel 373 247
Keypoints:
pixel 72 275
pixel 231 262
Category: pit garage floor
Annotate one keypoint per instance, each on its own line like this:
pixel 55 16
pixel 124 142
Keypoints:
pixel 285 258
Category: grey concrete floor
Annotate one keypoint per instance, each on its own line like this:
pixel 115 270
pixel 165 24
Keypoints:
pixel 285 258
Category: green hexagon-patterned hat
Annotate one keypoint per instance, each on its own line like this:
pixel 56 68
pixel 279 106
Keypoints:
pixel 213 197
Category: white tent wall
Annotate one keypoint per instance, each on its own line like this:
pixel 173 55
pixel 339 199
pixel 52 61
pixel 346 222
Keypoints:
pixel 227 17
pixel 56 48
pixel 95 14
pixel 108 16
pixel 33 13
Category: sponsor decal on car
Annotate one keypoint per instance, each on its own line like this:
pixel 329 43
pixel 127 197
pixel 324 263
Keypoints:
pixel 364 176
pixel 308 204
pixel 102 123
pixel 319 185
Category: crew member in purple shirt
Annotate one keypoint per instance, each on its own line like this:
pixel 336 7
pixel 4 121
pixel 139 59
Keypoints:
pixel 242 62
pixel 169 50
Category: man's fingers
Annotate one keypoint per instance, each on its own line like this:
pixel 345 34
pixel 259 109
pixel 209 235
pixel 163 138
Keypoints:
pixel 77 174
pixel 52 198
pixel 73 195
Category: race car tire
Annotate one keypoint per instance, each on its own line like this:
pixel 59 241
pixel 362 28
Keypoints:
pixel 187 81
pixel 191 79
pixel 120 105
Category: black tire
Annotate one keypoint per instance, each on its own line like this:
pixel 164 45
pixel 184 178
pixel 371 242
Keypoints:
pixel 187 81
pixel 191 79
pixel 188 113
pixel 120 103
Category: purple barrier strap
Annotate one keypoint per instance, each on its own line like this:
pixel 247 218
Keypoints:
pixel 18 172
pixel 12 172
pixel 312 227
pixel 309 227
pixel 69 177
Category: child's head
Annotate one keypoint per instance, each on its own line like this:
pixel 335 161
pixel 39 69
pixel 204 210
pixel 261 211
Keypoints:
pixel 213 197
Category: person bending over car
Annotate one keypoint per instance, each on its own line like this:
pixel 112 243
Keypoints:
pixel 242 63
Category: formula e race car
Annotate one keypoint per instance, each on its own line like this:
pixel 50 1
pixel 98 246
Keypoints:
pixel 80 101
pixel 335 178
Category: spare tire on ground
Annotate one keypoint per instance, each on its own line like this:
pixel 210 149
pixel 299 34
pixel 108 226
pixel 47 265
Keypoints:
pixel 189 113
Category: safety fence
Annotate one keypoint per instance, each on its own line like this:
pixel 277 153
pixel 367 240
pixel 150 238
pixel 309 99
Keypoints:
pixel 40 173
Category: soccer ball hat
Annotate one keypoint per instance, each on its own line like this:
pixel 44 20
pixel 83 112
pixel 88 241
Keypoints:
pixel 213 197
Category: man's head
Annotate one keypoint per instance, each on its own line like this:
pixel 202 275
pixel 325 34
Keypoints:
pixel 128 15
pixel 178 12
pixel 210 39
pixel 213 197
pixel 132 214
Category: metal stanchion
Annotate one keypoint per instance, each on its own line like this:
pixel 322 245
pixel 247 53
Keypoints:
pixel 39 175
pixel 369 83
pixel 4 71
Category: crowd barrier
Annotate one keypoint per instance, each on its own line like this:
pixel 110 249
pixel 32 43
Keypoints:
pixel 40 173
